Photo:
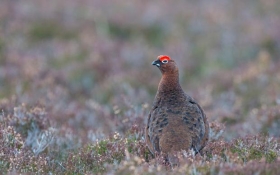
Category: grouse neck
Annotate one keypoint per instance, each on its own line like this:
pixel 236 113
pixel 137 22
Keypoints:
pixel 170 83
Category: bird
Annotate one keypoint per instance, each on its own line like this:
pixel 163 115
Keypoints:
pixel 176 121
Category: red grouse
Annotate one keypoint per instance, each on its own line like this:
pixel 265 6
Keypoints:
pixel 176 122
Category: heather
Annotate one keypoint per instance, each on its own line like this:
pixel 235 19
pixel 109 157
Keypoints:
pixel 76 84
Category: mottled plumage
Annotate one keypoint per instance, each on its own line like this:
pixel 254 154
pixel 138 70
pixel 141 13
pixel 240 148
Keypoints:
pixel 176 122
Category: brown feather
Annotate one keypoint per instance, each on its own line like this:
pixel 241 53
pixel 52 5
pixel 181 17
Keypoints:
pixel 176 122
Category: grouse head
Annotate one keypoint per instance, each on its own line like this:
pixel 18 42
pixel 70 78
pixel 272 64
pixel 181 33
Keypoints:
pixel 166 65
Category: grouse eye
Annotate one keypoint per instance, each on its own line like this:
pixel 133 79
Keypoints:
pixel 164 61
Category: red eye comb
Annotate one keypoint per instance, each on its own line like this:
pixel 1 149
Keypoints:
pixel 164 57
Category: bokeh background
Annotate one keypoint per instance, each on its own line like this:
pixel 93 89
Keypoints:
pixel 82 69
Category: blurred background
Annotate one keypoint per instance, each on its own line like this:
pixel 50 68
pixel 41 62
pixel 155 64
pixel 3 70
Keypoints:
pixel 84 67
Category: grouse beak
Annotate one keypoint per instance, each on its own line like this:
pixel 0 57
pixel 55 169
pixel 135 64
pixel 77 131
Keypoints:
pixel 156 63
